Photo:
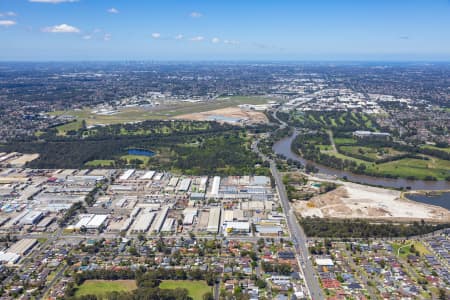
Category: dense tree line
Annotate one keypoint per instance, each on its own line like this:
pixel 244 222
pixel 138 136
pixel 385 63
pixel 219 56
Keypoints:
pixel 226 154
pixel 70 213
pixel 143 276
pixel 333 228
pixel 436 153
pixel 304 145
pixel 276 268
pixel 219 149
pixel 155 128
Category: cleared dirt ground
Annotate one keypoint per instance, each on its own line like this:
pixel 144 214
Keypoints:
pixel 23 159
pixel 248 116
pixel 358 201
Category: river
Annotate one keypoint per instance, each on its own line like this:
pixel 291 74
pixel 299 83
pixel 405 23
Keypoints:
pixel 283 147
pixel 442 199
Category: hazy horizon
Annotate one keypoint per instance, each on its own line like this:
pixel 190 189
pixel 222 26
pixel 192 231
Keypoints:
pixel 174 30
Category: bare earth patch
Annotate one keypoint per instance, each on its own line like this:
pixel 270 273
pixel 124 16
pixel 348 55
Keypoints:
pixel 353 200
pixel 23 159
pixel 227 115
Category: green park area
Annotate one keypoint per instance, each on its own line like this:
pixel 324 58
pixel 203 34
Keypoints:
pixel 99 163
pixel 424 168
pixel 100 288
pixel 180 146
pixel 419 168
pixel 196 289
pixel 329 141
pixel 409 247
pixel 371 153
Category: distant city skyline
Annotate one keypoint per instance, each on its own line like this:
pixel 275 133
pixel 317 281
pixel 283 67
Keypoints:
pixel 84 30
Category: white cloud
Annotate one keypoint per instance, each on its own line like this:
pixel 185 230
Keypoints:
pixel 113 10
pixel 107 37
pixel 87 37
pixel 197 39
pixel 52 1
pixel 156 35
pixel 230 42
pixel 7 23
pixel 215 40
pixel 179 37
pixel 8 14
pixel 195 14
pixel 63 28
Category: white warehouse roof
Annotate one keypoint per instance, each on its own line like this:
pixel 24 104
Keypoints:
pixel 184 185
pixel 127 174
pixel 324 262
pixel 214 219
pixel 215 186
pixel 148 175
pixel 96 221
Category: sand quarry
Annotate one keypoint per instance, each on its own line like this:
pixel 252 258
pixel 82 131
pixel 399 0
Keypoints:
pixel 359 201
pixel 227 115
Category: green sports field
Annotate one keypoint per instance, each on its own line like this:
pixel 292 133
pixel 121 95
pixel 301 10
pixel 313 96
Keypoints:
pixel 196 289
pixel 102 287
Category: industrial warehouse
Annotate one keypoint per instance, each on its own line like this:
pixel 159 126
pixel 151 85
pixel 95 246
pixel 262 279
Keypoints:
pixel 136 202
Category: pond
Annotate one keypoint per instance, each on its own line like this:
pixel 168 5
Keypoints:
pixel 439 199
pixel 142 152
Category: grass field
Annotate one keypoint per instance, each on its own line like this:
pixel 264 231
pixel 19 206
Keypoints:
pixel 75 125
pixel 342 156
pixel 325 147
pixel 419 168
pixel 405 167
pixel 166 112
pixel 370 152
pixel 196 289
pixel 100 163
pixel 102 287
pixel 435 167
pixel 404 249
pixel 129 157
pixel 341 141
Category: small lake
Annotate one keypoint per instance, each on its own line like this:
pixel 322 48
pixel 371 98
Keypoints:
pixel 440 199
pixel 141 152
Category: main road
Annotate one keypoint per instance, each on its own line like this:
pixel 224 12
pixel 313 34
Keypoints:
pixel 295 230
pixel 298 238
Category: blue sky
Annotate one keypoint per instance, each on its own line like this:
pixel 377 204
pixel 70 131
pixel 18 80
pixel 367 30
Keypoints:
pixel 224 30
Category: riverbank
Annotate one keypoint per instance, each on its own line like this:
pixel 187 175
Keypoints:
pixel 283 147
